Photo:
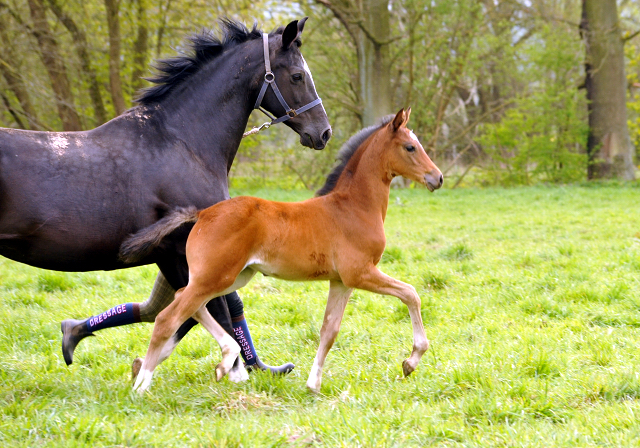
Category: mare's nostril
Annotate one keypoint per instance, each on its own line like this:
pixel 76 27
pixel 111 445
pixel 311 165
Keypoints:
pixel 326 135
pixel 441 180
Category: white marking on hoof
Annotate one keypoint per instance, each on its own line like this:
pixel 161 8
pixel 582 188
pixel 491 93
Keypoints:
pixel 230 351
pixel 143 381
pixel 238 373
pixel 315 379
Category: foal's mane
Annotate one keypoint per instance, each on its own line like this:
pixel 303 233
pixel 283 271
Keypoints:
pixel 347 151
pixel 201 48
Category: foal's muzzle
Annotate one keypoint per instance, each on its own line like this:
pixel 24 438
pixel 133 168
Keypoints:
pixel 433 181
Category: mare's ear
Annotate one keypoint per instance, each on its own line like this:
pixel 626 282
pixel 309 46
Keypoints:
pixel 291 33
pixel 400 119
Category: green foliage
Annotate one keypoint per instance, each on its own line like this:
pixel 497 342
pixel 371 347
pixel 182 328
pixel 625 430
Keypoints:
pixel 542 137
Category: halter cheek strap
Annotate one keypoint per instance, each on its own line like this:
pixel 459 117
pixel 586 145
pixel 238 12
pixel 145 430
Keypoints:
pixel 270 80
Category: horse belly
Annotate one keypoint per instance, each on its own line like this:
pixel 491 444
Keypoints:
pixel 62 251
pixel 297 267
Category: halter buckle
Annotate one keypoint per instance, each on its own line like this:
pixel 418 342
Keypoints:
pixel 292 113
pixel 269 77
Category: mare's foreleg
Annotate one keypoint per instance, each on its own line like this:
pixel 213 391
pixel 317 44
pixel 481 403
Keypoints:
pixel 336 303
pixel 375 281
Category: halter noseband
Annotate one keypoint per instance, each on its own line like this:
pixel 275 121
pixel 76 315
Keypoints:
pixel 270 80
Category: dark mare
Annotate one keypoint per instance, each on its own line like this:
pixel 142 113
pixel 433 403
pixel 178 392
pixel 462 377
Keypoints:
pixel 68 200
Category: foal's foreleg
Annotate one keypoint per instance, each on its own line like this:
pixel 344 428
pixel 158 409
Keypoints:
pixel 375 281
pixel 336 303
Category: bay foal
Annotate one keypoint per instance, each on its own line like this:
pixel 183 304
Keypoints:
pixel 338 236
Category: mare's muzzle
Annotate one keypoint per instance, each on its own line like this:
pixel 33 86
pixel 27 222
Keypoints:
pixel 317 143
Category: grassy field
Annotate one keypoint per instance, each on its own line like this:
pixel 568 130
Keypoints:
pixel 531 300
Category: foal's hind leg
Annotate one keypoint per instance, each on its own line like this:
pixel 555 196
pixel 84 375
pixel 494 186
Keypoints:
pixel 375 281
pixel 188 300
pixel 228 346
pixel 336 303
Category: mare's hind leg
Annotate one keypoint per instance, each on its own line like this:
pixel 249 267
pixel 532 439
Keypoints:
pixel 336 303
pixel 375 281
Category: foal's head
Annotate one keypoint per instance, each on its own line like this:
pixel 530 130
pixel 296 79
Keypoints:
pixel 405 156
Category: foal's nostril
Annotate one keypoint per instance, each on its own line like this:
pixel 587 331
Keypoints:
pixel 441 180
pixel 326 135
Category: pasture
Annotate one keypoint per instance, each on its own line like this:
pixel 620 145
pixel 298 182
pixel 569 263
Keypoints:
pixel 531 301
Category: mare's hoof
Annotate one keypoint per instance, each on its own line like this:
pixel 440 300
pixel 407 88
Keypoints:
pixel 275 370
pixel 73 331
pixel 406 368
pixel 135 368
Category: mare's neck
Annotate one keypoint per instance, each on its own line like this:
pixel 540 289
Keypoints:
pixel 366 180
pixel 209 112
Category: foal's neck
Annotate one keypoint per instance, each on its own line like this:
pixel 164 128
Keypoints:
pixel 366 179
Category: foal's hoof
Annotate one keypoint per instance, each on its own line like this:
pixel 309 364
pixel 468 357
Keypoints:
pixel 407 369
pixel 220 372
pixel 135 368
pixel 275 370
pixel 73 331
pixel 238 373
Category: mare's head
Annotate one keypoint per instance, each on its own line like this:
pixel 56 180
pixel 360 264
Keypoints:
pixel 404 154
pixel 293 79
pixel 194 76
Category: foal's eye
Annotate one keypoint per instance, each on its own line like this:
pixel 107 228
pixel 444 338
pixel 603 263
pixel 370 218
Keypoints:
pixel 410 148
pixel 297 77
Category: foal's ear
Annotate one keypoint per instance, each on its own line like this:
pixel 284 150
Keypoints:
pixel 400 119
pixel 301 25
pixel 292 32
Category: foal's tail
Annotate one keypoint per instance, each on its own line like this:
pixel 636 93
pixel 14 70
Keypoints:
pixel 142 243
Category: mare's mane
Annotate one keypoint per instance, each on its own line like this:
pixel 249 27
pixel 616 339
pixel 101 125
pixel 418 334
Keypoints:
pixel 347 151
pixel 201 48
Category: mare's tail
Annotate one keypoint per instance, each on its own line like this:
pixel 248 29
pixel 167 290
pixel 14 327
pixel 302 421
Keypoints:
pixel 142 243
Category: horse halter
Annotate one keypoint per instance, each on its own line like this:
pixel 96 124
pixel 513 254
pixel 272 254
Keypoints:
pixel 270 80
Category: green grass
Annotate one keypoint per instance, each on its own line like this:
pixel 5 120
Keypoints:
pixel 530 297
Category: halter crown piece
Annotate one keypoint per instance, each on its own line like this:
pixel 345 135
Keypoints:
pixel 270 80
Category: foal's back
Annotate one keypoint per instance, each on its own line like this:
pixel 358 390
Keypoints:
pixel 292 241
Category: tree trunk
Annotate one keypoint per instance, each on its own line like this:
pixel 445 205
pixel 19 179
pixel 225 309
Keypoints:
pixel 14 82
pixel 81 44
pixel 609 147
pixel 53 63
pixel 12 111
pixel 373 60
pixel 115 84
pixel 140 47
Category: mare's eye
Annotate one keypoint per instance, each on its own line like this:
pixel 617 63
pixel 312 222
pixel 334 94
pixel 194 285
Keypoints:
pixel 297 77
pixel 410 148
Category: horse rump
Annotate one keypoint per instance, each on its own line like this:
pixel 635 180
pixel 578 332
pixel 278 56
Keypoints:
pixel 140 244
